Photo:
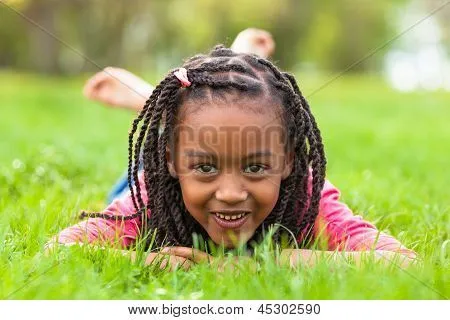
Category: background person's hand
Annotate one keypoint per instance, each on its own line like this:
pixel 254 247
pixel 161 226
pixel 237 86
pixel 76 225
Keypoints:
pixel 256 41
pixel 118 87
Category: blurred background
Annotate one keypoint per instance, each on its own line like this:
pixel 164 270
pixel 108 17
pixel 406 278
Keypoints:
pixel 388 62
pixel 153 36
pixel 381 101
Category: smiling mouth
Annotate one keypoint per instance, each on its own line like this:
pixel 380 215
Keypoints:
pixel 230 217
pixel 230 221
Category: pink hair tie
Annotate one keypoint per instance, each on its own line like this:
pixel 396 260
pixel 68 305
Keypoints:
pixel 181 75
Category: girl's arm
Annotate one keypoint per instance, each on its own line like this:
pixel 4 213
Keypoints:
pixel 302 257
pixel 337 229
pixel 165 261
pixel 100 230
pixel 345 231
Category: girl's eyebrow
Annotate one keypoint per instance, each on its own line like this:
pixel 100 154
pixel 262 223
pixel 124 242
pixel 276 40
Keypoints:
pixel 202 154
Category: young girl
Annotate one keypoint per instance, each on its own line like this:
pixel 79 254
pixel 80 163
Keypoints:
pixel 230 148
pixel 119 88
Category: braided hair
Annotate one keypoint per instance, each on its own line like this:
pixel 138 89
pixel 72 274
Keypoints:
pixel 222 71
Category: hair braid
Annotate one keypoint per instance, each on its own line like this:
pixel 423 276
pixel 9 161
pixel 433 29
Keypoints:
pixel 152 164
pixel 134 127
pixel 318 159
pixel 144 114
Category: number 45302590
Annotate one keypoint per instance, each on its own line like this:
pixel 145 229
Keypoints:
pixel 292 308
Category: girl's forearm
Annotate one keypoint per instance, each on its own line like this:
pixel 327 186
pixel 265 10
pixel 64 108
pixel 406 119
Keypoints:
pixel 131 254
pixel 165 261
pixel 302 257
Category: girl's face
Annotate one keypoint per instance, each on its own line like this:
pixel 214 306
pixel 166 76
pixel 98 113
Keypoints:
pixel 230 160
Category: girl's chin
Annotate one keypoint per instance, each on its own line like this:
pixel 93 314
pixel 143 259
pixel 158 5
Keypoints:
pixel 230 240
pixel 229 234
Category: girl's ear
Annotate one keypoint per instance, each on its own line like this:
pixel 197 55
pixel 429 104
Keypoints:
pixel 170 163
pixel 288 165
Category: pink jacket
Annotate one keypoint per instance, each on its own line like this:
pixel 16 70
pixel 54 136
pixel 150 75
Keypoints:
pixel 335 224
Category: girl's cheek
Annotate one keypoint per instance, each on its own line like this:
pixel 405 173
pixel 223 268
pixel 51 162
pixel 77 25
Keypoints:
pixel 194 193
pixel 267 194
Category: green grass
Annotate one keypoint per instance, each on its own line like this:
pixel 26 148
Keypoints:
pixel 388 153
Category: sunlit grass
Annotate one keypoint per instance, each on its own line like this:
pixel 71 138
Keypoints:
pixel 387 152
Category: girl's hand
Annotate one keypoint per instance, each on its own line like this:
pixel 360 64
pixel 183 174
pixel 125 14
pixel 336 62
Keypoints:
pixel 295 257
pixel 117 87
pixel 168 262
pixel 198 256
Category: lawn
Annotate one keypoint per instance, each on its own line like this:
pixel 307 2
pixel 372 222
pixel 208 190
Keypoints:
pixel 388 152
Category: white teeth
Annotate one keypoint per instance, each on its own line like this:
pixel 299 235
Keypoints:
pixel 235 217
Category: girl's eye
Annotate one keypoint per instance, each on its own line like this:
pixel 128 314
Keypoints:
pixel 206 168
pixel 254 168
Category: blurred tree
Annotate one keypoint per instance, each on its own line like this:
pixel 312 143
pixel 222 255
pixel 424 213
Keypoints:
pixel 12 50
pixel 43 50
pixel 155 35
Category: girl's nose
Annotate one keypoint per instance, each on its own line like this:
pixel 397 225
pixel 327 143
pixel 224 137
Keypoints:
pixel 231 190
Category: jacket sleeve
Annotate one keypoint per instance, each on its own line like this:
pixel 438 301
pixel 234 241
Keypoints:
pixel 345 231
pixel 100 230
